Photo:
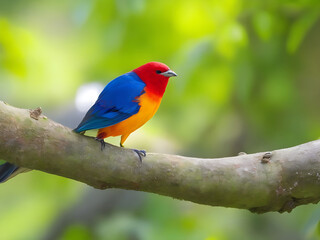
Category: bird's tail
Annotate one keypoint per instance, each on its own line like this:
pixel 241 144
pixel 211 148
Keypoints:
pixel 7 170
pixel 79 131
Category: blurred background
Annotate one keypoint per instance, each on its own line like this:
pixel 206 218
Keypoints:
pixel 249 80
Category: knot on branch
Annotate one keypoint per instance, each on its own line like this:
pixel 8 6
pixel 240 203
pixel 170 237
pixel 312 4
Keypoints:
pixel 35 113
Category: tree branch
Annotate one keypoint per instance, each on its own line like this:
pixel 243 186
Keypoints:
pixel 276 181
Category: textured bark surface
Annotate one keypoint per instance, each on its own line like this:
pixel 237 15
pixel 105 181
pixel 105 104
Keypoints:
pixel 261 182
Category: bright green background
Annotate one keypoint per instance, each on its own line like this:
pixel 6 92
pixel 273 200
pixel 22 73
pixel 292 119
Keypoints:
pixel 249 80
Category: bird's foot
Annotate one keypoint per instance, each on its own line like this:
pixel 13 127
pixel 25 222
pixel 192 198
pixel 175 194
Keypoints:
pixel 141 153
pixel 103 143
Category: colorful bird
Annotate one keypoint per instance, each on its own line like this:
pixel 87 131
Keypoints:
pixel 124 105
pixel 127 102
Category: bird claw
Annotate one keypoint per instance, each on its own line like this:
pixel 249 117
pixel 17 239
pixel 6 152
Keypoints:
pixel 141 153
pixel 103 143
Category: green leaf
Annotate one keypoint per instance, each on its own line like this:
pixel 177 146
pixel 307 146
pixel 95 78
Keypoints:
pixel 300 29
pixel 263 24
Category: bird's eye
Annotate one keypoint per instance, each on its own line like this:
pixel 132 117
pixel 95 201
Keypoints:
pixel 158 71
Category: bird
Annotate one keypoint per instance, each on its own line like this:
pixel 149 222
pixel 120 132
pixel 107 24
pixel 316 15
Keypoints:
pixel 127 102
pixel 124 105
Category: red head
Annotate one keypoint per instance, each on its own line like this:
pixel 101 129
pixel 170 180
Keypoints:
pixel 156 76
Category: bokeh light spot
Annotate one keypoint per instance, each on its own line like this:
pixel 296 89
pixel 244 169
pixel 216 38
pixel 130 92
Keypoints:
pixel 87 94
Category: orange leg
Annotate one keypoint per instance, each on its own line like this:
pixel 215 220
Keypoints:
pixel 123 139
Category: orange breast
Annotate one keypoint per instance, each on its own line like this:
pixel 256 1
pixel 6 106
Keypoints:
pixel 149 104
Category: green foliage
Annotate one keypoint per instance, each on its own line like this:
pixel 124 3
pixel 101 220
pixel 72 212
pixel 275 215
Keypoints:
pixel 248 81
pixel 77 232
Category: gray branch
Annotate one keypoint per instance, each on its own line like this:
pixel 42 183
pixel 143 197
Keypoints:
pixel 261 182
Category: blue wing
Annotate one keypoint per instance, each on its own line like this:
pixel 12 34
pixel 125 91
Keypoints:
pixel 116 103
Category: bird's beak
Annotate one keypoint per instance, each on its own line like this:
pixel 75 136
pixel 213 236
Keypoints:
pixel 169 73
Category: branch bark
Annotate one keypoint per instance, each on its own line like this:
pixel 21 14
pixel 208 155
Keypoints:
pixel 260 182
